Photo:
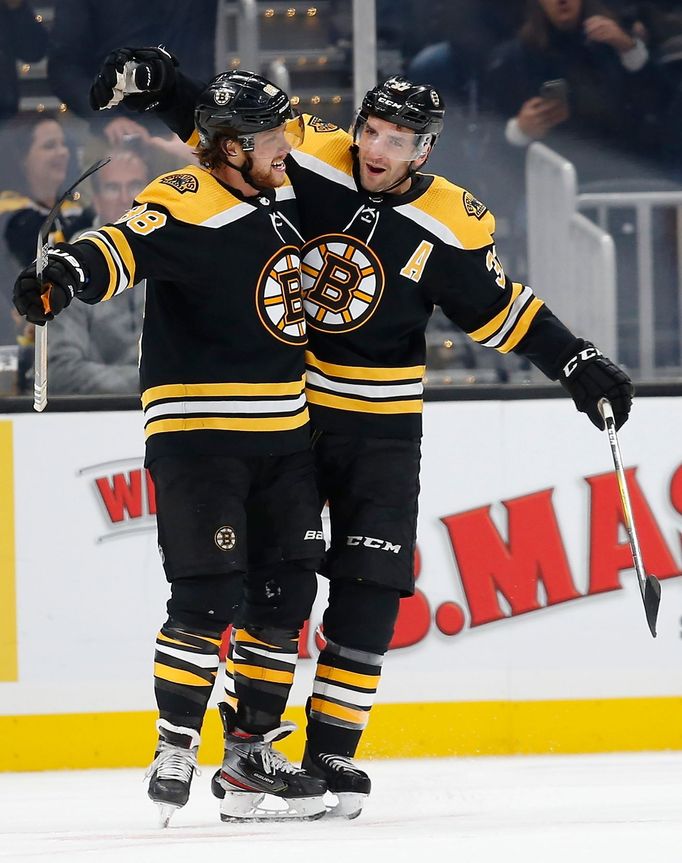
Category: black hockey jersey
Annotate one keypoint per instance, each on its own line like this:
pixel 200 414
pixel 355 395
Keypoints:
pixel 373 268
pixel 222 358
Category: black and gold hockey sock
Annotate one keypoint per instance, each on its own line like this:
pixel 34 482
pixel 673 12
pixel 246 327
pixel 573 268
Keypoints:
pixel 259 672
pixel 185 667
pixel 346 682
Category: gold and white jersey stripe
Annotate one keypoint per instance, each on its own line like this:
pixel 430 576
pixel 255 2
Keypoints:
pixel 118 256
pixel 504 331
pixel 261 407
pixel 367 390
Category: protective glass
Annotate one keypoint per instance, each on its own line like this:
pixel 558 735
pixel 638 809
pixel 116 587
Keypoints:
pixel 112 189
pixel 266 145
pixel 403 146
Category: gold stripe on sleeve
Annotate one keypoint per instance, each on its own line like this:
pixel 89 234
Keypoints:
pixel 111 266
pixel 118 238
pixel 522 327
pixel 488 329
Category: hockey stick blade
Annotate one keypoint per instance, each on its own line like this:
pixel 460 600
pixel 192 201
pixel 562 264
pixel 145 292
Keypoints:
pixel 649 585
pixel 40 358
pixel 652 599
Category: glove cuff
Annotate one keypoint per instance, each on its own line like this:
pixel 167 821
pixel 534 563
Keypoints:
pixel 77 269
pixel 575 358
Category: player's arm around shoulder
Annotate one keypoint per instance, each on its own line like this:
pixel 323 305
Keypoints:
pixel 325 141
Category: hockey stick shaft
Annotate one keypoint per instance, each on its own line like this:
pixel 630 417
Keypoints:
pixel 43 246
pixel 649 585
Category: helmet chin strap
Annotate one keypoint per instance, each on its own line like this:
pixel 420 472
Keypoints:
pixel 245 171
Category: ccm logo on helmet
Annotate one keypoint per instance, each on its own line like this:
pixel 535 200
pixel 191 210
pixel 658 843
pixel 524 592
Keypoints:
pixel 371 542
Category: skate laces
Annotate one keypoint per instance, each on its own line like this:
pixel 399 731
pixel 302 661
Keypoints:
pixel 174 762
pixel 338 763
pixel 272 759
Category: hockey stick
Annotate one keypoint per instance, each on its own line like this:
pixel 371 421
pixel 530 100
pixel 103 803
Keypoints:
pixel 649 585
pixel 40 358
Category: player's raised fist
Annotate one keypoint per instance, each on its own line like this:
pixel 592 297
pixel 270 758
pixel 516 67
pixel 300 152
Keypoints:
pixel 139 77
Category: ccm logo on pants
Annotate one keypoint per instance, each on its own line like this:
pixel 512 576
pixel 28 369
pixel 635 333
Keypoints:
pixel 371 542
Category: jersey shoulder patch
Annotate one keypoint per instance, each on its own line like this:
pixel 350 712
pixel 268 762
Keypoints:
pixel 191 195
pixel 465 221
pixel 183 183
pixel 328 146
pixel 473 206
pixel 320 125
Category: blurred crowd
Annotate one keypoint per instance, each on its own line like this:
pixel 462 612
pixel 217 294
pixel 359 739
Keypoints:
pixel 599 81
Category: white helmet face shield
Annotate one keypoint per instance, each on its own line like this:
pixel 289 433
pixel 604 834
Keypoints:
pixel 404 146
pixel 265 146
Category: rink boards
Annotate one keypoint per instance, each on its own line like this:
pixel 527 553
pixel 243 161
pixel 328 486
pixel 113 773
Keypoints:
pixel 526 634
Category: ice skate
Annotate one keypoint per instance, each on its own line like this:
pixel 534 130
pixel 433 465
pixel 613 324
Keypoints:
pixel 257 783
pixel 172 769
pixel 350 785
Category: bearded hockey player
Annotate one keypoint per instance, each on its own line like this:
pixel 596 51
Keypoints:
pixel 385 243
pixel 227 433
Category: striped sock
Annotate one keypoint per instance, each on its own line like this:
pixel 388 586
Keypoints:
pixel 259 671
pixel 185 668
pixel 346 682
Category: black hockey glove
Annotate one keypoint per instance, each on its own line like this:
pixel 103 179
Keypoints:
pixel 589 376
pixel 140 77
pixel 63 275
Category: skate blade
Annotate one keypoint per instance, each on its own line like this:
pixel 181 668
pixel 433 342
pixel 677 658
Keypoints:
pixel 348 805
pixel 166 812
pixel 258 806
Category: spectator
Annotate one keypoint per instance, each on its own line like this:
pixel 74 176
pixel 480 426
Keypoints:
pixel 576 79
pixel 36 161
pixel 661 25
pixel 466 33
pixel 22 37
pixel 85 31
pixel 95 349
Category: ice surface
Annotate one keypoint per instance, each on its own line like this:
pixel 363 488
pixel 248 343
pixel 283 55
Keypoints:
pixel 605 808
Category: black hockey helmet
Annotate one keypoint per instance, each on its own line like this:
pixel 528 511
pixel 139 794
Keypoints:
pixel 419 107
pixel 243 102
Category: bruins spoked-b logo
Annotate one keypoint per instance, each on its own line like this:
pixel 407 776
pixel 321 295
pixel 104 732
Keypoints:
pixel 279 297
pixel 225 538
pixel 343 281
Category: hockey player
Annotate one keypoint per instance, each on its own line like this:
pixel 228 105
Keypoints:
pixel 384 244
pixel 226 428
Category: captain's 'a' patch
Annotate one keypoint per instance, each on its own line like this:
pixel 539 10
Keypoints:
pixel 320 125
pixel 182 182
pixel 473 206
